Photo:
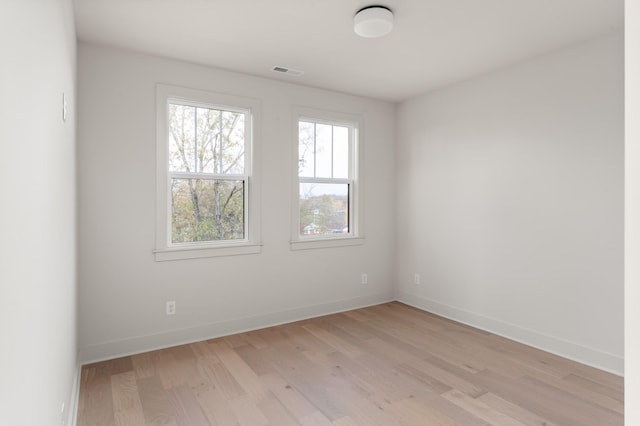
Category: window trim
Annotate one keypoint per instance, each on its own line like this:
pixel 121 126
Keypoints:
pixel 355 236
pixel 250 244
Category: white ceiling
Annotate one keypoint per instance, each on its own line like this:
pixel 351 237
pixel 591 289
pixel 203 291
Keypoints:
pixel 434 42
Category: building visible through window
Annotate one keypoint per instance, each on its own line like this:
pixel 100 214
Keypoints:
pixel 326 178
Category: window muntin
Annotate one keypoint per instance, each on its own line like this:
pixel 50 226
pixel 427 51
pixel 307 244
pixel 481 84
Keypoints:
pixel 326 179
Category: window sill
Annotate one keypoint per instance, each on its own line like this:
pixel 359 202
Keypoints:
pixel 183 253
pixel 326 243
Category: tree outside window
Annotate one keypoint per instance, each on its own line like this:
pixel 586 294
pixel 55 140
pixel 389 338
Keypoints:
pixel 325 173
pixel 207 181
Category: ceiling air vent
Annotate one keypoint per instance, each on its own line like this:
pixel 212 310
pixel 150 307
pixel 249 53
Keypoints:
pixel 288 71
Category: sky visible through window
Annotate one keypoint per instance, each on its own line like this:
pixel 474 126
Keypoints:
pixel 323 155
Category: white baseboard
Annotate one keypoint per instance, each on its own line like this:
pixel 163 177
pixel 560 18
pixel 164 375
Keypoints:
pixel 582 354
pixel 74 398
pixel 139 344
pixel 118 348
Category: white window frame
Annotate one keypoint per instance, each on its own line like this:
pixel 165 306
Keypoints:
pixel 166 250
pixel 355 124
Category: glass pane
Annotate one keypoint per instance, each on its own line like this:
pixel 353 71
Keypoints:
pixel 324 152
pixel 305 149
pixel 232 125
pixel 206 210
pixel 324 208
pixel 205 140
pixel 208 139
pixel 182 149
pixel 340 152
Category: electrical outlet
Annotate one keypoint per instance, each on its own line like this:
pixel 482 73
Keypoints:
pixel 171 307
pixel 416 279
pixel 365 279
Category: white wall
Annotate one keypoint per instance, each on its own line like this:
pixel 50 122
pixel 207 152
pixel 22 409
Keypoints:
pixel 511 195
pixel 122 290
pixel 632 213
pixel 37 212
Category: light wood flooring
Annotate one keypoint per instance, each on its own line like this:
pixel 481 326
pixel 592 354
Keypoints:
pixel 383 365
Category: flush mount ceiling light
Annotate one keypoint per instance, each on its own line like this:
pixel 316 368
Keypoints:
pixel 373 21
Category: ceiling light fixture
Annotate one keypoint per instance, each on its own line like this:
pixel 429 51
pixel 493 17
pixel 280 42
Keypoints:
pixel 373 21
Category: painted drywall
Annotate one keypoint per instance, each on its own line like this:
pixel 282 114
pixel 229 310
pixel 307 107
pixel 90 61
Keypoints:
pixel 511 195
pixel 38 212
pixel 632 212
pixel 123 290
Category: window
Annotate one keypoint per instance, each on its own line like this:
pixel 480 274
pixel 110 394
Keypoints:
pixel 326 196
pixel 205 179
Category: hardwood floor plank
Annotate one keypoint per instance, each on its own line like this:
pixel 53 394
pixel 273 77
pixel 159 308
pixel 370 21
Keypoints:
pixel 581 407
pixel 389 364
pixel 433 384
pixel 546 401
pixel 186 407
pixel 241 372
pixel 301 340
pixel 412 412
pixel 308 379
pixel 449 375
pixel 247 412
pixel 156 406
pixel 582 392
pixel 290 398
pixel 344 421
pixel 320 396
pixel 168 370
pixel 96 402
pixel 331 339
pixel 356 315
pixel 221 378
pixel 255 339
pixel 524 416
pixel 439 409
pixel 130 417
pixel 202 350
pixel 182 352
pixel 256 359
pixel 480 409
pixel 366 378
pixel 127 407
pixel 594 386
pixel 235 340
pixel 143 365
pixel 355 328
pixel 315 419
pixel 422 344
pixel 215 407
pixel 365 403
pixel 276 413
pixel 174 372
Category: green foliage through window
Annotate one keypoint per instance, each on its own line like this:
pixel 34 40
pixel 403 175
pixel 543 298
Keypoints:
pixel 207 174
pixel 324 161
pixel 324 209
pixel 206 210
